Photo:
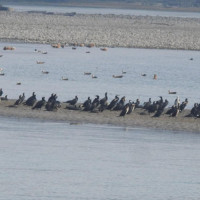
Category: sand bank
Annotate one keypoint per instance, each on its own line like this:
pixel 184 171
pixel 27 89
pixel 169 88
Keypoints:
pixel 102 30
pixel 135 119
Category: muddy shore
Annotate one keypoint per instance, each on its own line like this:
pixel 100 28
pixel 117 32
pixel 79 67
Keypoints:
pixel 138 118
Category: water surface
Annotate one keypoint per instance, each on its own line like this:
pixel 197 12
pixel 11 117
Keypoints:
pixel 81 10
pixel 174 69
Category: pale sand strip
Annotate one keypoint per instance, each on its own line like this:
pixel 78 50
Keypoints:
pixel 102 30
pixel 180 123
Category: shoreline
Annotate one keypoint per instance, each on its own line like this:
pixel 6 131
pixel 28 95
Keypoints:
pixel 108 5
pixel 137 119
pixel 107 30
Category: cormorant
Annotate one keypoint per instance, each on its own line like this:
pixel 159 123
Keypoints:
pixel 1 92
pixel 113 103
pixel 31 100
pixel 73 101
pixel 125 110
pixel 40 103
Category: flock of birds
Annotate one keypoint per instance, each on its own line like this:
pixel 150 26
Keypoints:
pixel 157 108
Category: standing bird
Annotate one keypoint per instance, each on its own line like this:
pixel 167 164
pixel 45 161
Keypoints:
pixel 103 103
pixel 39 104
pixel 95 103
pixel 183 105
pixel 125 110
pixel 1 92
pixel 87 104
pixel 31 100
pixel 131 107
pixel 73 101
pixel 113 103
pixel 22 98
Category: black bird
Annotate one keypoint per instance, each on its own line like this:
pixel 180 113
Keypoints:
pixel 31 100
pixel 103 101
pixel 131 107
pixel 175 112
pixel 17 102
pixel 1 92
pixel 183 105
pixel 40 103
pixel 22 98
pixel 137 103
pixel 4 98
pixel 159 112
pixel 87 104
pixel 147 104
pixel 95 103
pixel 73 101
pixel 113 103
pixel 120 104
pixel 124 110
pixel 52 97
pixel 171 110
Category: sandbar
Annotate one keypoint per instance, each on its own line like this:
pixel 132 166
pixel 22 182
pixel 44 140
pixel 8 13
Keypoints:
pixel 137 119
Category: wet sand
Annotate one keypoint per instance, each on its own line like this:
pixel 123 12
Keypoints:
pixel 135 119
pixel 101 30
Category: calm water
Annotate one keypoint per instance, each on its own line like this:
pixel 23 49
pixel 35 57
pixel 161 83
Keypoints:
pixel 80 10
pixel 41 160
pixel 174 69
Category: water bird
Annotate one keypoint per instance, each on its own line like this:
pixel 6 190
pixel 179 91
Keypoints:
pixel 155 77
pixel 4 98
pixel 73 101
pixel 31 100
pixel 125 110
pixel 93 76
pixel 87 104
pixel 64 78
pixel 2 74
pixel 39 104
pixel 113 103
pixel 87 73
pixel 1 92
pixel 18 83
pixel 1 55
pixel 123 72
pixel 104 49
pixel 45 72
pixel 143 74
pixel 117 76
pixel 40 62
pixel 170 92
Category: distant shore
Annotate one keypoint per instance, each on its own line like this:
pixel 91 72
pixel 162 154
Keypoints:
pixel 101 30
pixel 136 119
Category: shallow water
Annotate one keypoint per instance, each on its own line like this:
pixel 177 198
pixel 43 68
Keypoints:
pixel 80 10
pixel 174 69
pixel 47 160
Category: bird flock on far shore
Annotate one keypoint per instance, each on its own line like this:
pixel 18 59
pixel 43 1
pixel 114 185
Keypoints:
pixel 155 108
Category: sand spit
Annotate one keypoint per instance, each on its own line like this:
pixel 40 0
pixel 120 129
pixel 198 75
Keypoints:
pixel 102 30
pixel 135 119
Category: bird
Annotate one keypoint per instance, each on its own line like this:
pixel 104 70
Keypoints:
pixel 31 100
pixel 39 104
pixel 1 92
pixel 4 98
pixel 73 101
pixel 125 110
pixel 113 103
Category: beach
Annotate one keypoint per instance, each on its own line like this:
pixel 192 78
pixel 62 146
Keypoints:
pixel 101 30
pixel 138 119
